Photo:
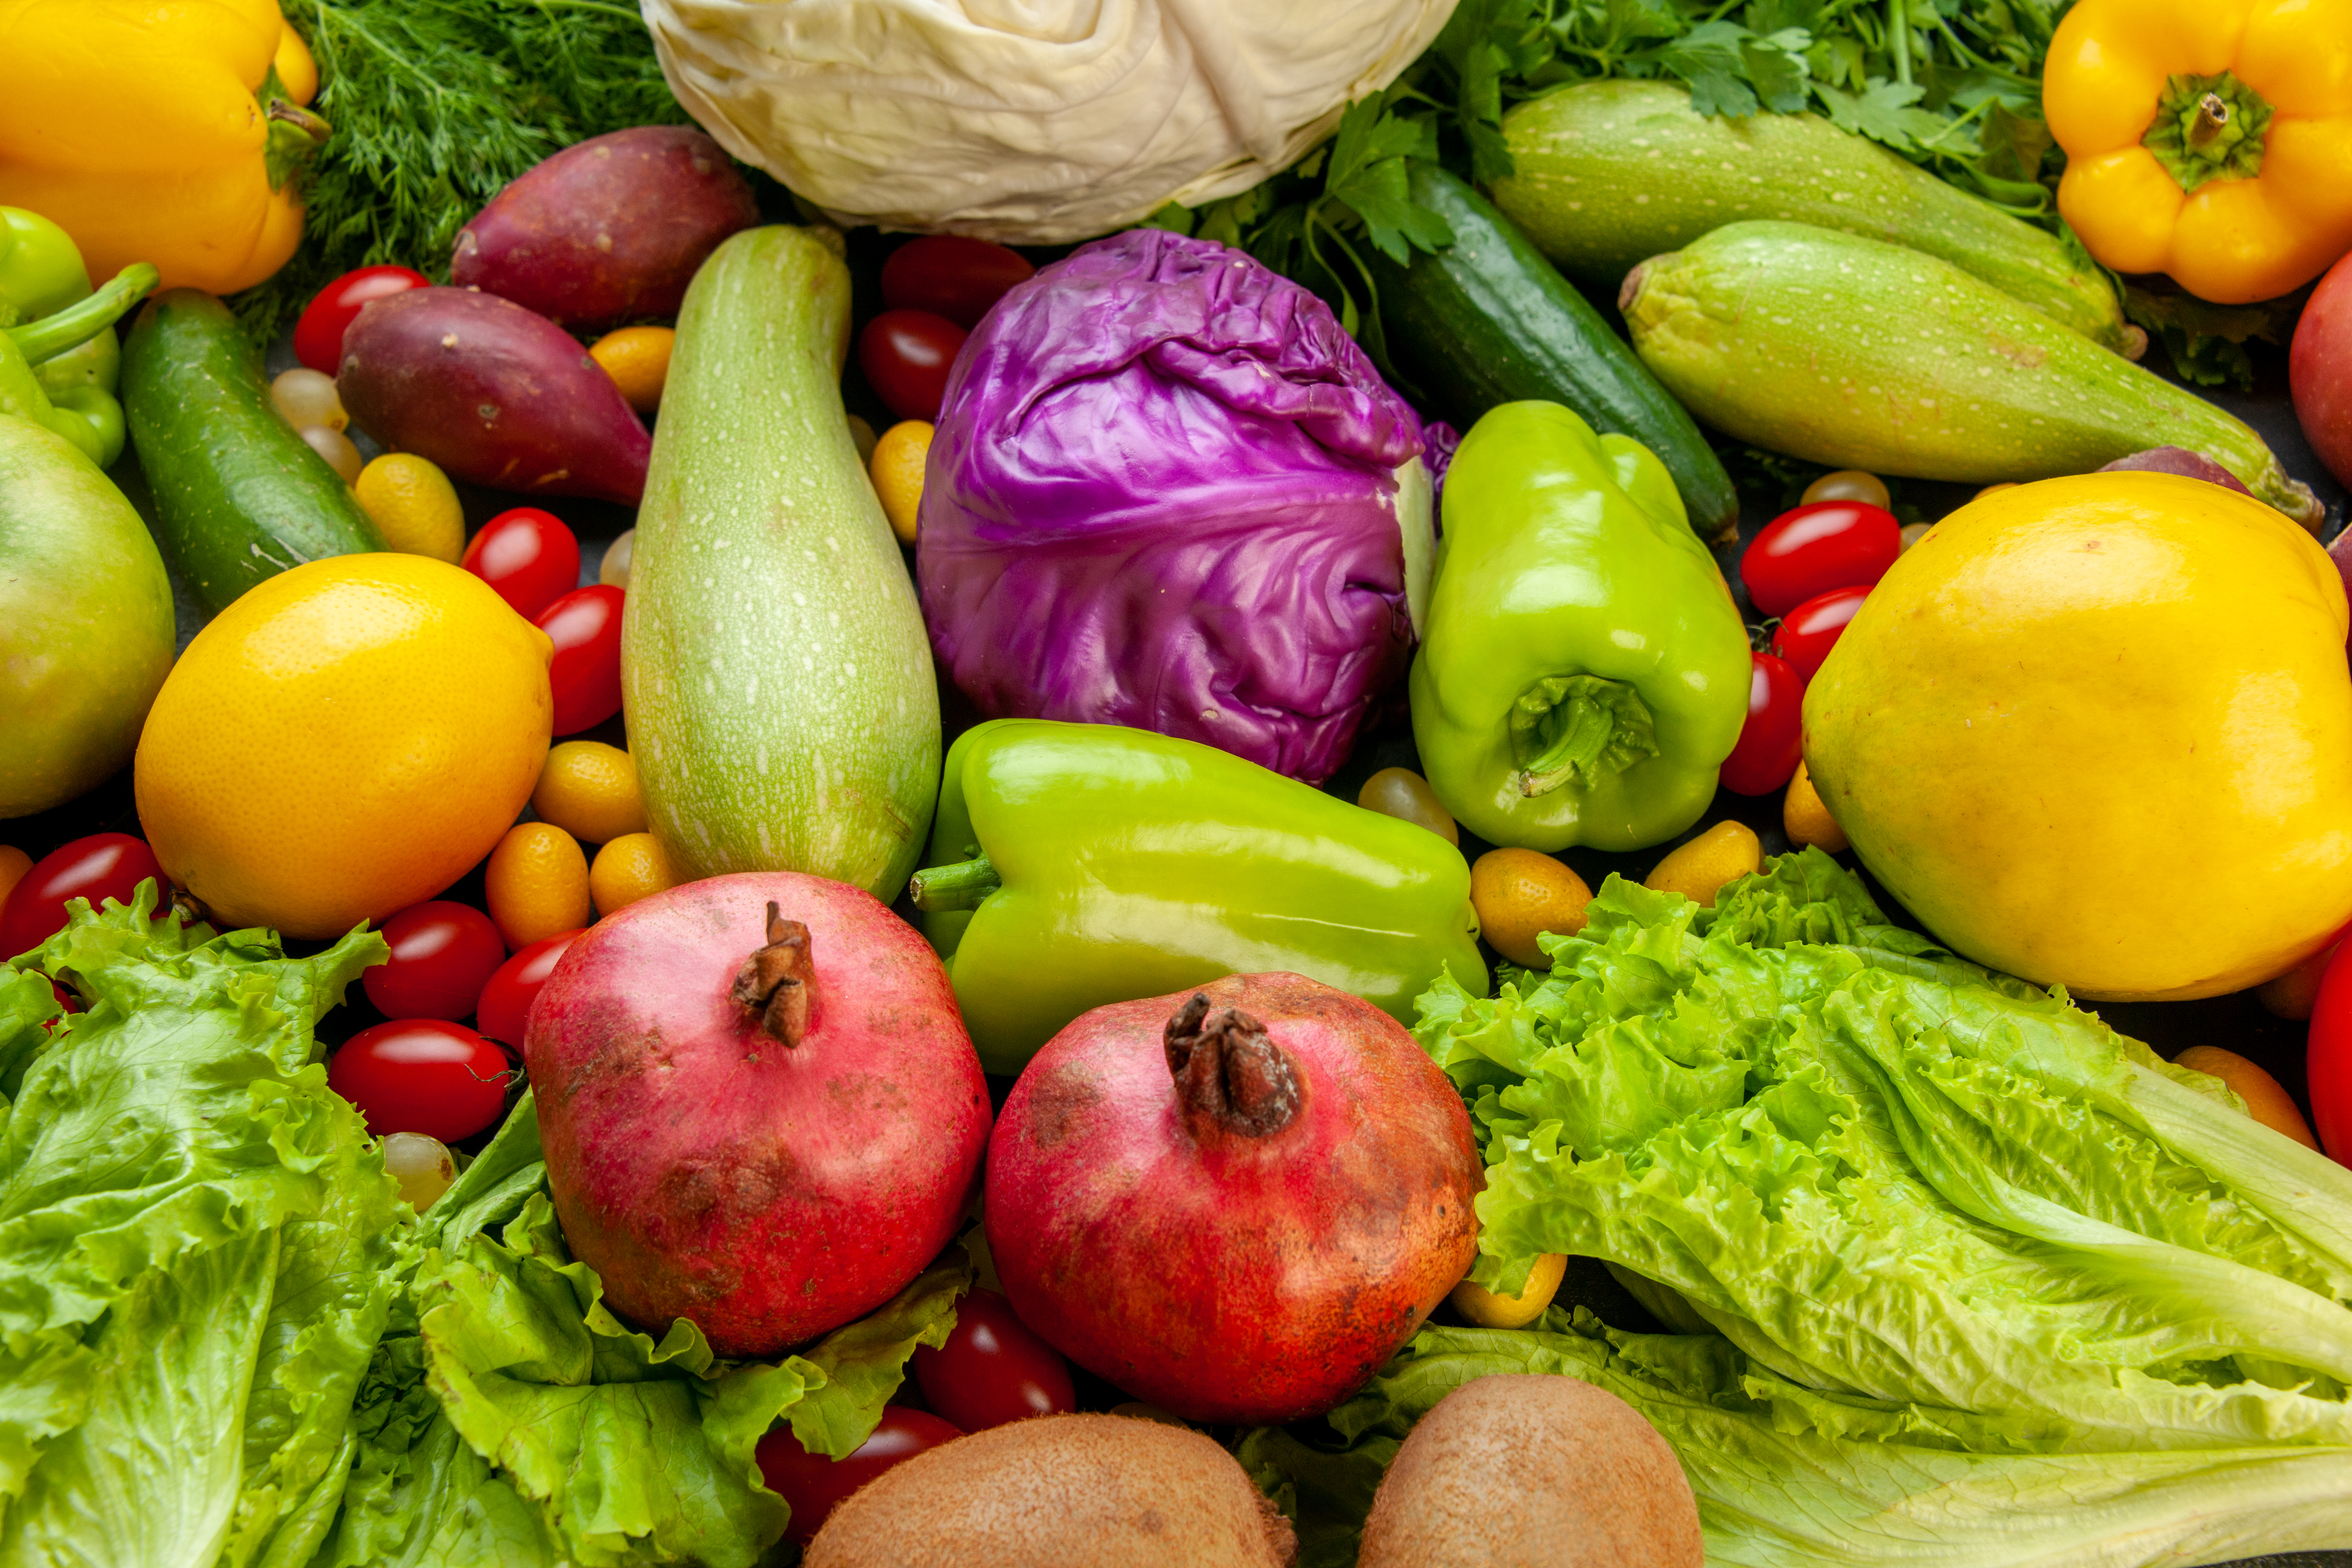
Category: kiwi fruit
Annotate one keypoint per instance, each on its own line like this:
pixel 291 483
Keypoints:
pixel 1521 1470
pixel 1060 1491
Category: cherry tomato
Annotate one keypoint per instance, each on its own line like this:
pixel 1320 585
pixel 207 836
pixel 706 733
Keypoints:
pixel 101 867
pixel 1770 742
pixel 994 1369
pixel 318 336
pixel 528 556
pixel 813 1485
pixel 423 1075
pixel 2327 1065
pixel 442 954
pixel 950 275
pixel 1807 633
pixel 585 626
pixel 504 1010
pixel 1829 544
pixel 906 355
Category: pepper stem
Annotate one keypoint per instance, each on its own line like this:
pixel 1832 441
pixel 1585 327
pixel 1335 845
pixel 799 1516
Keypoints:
pixel 295 133
pixel 78 322
pixel 961 885
pixel 778 981
pixel 1577 729
pixel 2212 115
pixel 2208 128
pixel 1231 1078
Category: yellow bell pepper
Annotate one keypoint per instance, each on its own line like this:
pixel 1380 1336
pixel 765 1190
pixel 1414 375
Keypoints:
pixel 2208 138
pixel 166 133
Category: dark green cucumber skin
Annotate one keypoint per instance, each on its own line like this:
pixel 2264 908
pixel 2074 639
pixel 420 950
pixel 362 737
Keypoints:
pixel 239 496
pixel 1488 322
pixel 1609 174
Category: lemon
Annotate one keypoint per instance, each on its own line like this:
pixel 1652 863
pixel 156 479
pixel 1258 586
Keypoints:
pixel 414 506
pixel 590 790
pixel 346 739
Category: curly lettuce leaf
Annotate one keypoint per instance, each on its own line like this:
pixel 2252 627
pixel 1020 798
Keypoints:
pixel 1790 1478
pixel 1880 1170
pixel 195 1243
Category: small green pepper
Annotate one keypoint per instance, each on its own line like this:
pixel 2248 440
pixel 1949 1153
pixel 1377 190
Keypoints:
pixel 86 414
pixel 1584 672
pixel 40 268
pixel 1075 864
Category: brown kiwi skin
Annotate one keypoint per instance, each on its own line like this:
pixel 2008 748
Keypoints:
pixel 1522 1470
pixel 1060 1491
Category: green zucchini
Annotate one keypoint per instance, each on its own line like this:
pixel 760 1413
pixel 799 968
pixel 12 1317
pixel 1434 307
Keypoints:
pixel 1488 321
pixel 1861 354
pixel 1611 172
pixel 775 671
pixel 239 496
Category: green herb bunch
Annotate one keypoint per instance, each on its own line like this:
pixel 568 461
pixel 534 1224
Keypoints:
pixel 1952 85
pixel 436 105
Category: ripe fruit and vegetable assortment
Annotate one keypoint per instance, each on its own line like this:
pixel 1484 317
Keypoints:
pixel 1427 783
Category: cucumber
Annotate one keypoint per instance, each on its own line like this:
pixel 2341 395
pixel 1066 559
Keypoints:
pixel 1490 321
pixel 1862 355
pixel 775 671
pixel 239 496
pixel 1611 172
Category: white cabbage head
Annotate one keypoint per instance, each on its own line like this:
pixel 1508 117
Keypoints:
pixel 1029 121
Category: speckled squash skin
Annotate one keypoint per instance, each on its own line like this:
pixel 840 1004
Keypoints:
pixel 1233 1279
pixel 705 1170
pixel 1588 189
pixel 775 671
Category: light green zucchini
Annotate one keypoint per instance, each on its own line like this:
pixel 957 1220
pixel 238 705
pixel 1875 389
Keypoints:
pixel 1610 173
pixel 774 672
pixel 1861 354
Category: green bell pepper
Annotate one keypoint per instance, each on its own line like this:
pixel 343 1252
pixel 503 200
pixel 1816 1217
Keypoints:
pixel 1583 671
pixel 40 267
pixel 83 412
pixel 1075 864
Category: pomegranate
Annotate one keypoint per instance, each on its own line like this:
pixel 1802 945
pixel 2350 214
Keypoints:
pixel 1234 1202
pixel 759 1107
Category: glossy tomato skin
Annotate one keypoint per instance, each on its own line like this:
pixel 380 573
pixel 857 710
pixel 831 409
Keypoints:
pixel 2327 1061
pixel 994 1368
pixel 528 557
pixel 423 1075
pixel 443 954
pixel 951 275
pixel 906 355
pixel 1813 549
pixel 318 336
pixel 585 673
pixel 813 1485
pixel 1807 633
pixel 505 1007
pixel 1770 742
pixel 101 867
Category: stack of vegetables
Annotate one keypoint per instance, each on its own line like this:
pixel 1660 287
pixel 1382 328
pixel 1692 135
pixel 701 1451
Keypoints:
pixel 920 945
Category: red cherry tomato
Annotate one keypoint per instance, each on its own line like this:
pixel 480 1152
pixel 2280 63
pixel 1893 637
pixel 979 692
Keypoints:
pixel 423 1075
pixel 528 556
pixel 1829 544
pixel 1766 757
pixel 101 867
pixel 994 1369
pixel 442 954
pixel 585 626
pixel 950 275
pixel 906 355
pixel 2327 1064
pixel 504 1011
pixel 1807 633
pixel 813 1485
pixel 318 336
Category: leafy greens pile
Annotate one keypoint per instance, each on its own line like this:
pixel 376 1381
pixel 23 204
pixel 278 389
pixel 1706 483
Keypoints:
pixel 437 106
pixel 224 1340
pixel 1961 1275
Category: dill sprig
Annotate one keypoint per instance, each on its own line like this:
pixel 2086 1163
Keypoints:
pixel 436 105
